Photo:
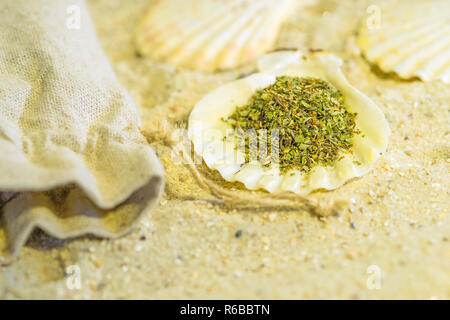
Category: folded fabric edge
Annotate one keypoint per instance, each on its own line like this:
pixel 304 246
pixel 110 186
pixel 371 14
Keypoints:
pixel 78 215
pixel 74 169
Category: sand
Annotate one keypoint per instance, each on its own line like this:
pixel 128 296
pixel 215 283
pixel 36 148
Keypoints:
pixel 393 241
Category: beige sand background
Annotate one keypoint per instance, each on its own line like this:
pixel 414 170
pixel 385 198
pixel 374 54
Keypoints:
pixel 397 222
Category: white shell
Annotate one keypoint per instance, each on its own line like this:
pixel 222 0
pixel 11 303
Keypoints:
pixel 210 34
pixel 207 130
pixel 412 39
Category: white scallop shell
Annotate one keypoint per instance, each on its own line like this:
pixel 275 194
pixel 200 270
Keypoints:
pixel 207 130
pixel 210 34
pixel 412 39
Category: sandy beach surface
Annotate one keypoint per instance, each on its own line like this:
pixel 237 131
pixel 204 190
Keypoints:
pixel 393 240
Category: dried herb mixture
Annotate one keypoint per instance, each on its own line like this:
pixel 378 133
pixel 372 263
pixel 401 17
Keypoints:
pixel 315 126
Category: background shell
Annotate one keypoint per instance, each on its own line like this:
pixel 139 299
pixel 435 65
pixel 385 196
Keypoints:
pixel 412 39
pixel 207 130
pixel 210 34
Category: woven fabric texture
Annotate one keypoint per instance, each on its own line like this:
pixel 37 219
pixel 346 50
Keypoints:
pixel 72 159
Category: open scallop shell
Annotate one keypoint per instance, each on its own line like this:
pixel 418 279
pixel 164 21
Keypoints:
pixel 210 34
pixel 207 130
pixel 412 39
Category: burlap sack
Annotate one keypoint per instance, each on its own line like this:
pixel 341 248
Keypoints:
pixel 72 159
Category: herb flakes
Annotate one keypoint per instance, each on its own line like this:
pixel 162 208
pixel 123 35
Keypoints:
pixel 314 124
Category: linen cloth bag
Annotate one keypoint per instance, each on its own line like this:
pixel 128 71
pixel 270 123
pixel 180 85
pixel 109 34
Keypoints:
pixel 72 159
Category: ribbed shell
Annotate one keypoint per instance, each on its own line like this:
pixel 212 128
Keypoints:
pixel 413 40
pixel 209 35
pixel 207 130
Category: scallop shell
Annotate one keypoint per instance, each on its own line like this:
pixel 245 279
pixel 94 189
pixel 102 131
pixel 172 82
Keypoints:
pixel 210 34
pixel 207 130
pixel 412 40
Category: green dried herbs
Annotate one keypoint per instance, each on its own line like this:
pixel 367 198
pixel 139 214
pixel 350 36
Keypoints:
pixel 314 125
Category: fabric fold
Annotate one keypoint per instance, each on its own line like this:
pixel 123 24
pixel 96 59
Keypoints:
pixel 70 147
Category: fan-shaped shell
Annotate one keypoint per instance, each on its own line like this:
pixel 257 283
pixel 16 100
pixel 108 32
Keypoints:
pixel 207 129
pixel 412 39
pixel 210 34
